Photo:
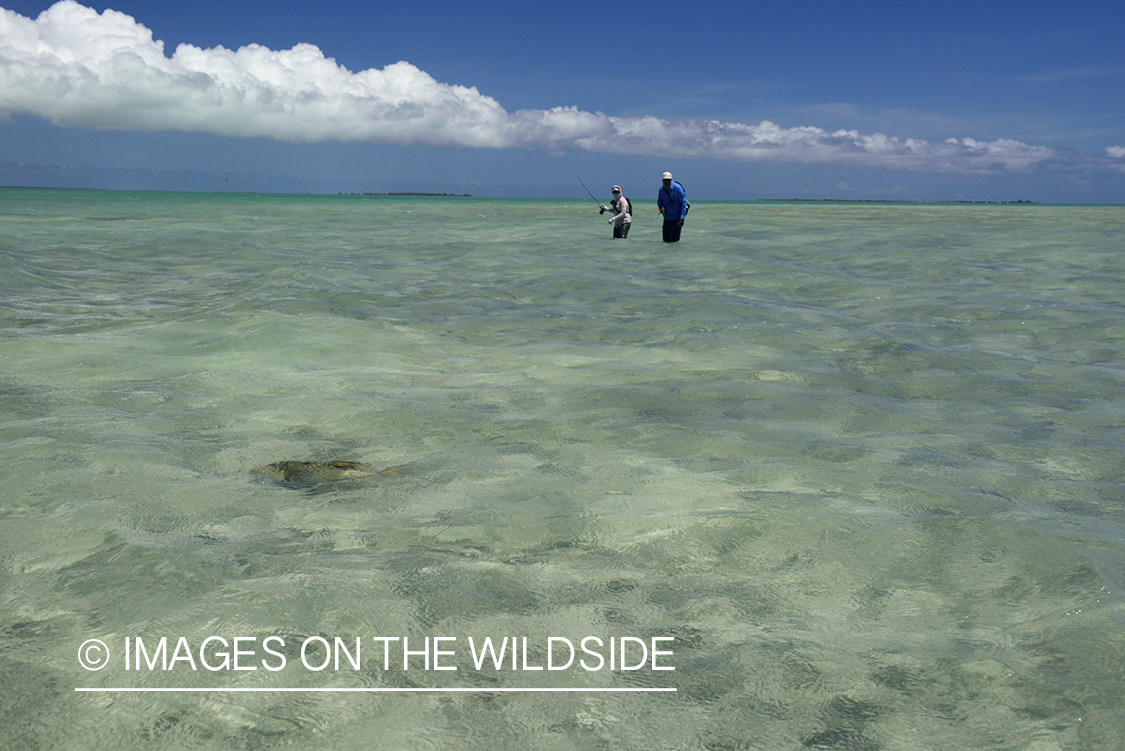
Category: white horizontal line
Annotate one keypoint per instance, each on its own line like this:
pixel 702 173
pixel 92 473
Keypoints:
pixel 381 690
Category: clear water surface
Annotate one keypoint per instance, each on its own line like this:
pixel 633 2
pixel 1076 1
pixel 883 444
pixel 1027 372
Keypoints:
pixel 862 462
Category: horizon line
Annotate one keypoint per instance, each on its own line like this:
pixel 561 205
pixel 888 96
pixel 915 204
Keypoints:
pixel 341 194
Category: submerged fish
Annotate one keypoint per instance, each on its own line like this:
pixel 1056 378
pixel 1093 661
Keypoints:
pixel 292 471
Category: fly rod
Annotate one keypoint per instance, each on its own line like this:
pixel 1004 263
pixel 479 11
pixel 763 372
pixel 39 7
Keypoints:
pixel 588 191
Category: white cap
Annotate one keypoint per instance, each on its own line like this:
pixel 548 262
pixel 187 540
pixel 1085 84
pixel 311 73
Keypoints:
pixel 666 176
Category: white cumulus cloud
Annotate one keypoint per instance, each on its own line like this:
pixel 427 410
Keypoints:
pixel 76 67
pixel 1117 152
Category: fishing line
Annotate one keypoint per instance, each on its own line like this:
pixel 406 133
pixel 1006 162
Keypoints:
pixel 588 190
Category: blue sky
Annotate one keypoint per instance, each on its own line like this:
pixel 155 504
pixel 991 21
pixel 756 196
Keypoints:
pixel 951 101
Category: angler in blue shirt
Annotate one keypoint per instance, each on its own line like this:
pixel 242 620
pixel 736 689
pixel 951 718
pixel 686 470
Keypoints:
pixel 673 204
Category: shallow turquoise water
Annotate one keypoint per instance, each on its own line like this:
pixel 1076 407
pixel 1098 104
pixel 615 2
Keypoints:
pixel 862 462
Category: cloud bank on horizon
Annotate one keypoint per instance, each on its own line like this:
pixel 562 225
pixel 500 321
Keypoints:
pixel 75 67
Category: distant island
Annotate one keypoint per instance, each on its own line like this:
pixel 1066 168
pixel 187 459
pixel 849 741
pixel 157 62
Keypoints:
pixel 438 195
pixel 880 200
